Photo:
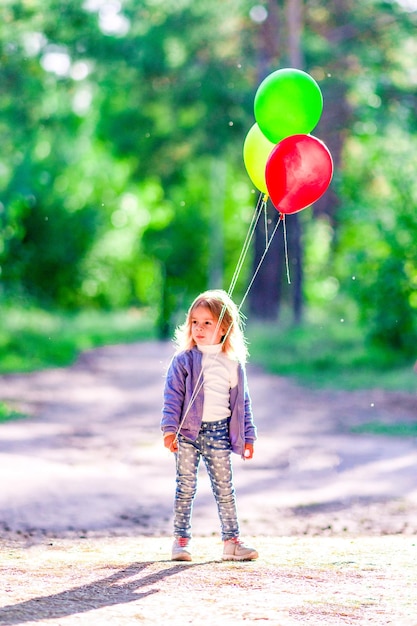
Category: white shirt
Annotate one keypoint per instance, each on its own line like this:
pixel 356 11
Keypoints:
pixel 220 375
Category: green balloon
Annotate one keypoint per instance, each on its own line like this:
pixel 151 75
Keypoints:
pixel 287 102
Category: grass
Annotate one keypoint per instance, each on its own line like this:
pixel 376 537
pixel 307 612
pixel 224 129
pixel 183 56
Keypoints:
pixel 7 413
pixel 33 339
pixel 400 429
pixel 329 354
pixel 322 353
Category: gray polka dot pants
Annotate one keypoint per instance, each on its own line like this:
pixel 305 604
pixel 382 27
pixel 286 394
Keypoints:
pixel 213 445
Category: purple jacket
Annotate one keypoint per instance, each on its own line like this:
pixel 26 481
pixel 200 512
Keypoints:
pixel 182 378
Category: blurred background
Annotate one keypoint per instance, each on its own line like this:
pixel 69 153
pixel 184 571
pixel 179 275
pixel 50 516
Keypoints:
pixel 123 191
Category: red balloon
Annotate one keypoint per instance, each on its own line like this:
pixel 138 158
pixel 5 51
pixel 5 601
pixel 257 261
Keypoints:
pixel 298 172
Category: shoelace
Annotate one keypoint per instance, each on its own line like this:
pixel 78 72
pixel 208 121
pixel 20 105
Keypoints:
pixel 182 541
pixel 236 540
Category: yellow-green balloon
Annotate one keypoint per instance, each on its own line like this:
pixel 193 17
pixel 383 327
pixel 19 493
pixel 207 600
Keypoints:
pixel 287 102
pixel 256 150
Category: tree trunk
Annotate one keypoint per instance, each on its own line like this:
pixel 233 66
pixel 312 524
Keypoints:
pixel 265 295
pixel 267 289
pixel 295 254
pixel 337 116
pixel 294 10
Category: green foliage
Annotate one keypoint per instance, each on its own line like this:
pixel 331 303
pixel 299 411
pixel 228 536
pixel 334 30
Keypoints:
pixel 45 263
pixel 105 117
pixel 32 339
pixel 400 429
pixel 328 351
pixel 7 413
pixel 377 256
pixel 194 231
pixel 121 174
pixel 369 123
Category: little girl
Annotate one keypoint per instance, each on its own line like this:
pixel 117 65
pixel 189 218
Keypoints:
pixel 207 413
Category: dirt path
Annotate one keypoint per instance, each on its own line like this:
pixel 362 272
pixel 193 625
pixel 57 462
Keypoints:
pixel 87 489
pixel 90 458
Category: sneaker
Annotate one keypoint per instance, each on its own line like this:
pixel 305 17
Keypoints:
pixel 179 549
pixel 235 550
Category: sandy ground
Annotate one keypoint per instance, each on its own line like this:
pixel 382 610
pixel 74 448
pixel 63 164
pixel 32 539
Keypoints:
pixel 90 457
pixel 87 490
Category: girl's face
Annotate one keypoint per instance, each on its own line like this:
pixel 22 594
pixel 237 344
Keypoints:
pixel 204 327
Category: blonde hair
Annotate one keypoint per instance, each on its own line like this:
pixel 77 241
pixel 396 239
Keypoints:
pixel 225 311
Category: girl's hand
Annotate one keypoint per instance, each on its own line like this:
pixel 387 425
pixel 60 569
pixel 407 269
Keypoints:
pixel 248 454
pixel 170 442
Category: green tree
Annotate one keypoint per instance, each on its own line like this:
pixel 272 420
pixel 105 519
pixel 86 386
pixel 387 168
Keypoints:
pixel 105 103
pixel 121 172
pixel 369 124
pixel 48 216
pixel 377 257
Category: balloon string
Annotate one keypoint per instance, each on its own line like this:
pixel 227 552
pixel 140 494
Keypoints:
pixel 260 261
pixel 255 218
pixel 266 223
pixel 287 265
pixel 199 383
pixel 261 205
